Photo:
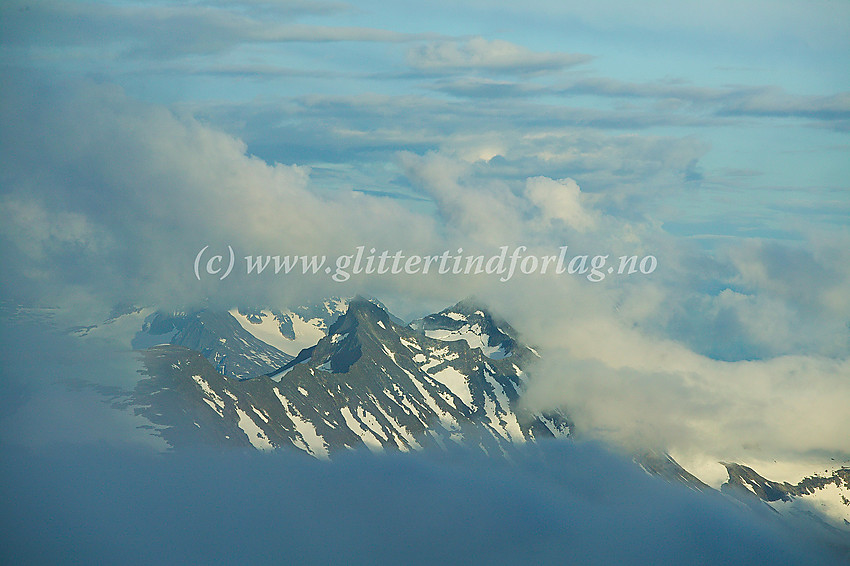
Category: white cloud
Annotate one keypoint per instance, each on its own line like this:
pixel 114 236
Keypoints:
pixel 624 386
pixel 118 196
pixel 473 210
pixel 561 200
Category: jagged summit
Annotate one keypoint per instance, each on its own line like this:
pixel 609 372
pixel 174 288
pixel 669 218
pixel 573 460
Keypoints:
pixel 471 321
pixel 361 309
pixel 364 322
pixel 467 305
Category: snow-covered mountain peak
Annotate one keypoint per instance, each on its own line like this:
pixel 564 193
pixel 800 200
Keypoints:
pixel 470 321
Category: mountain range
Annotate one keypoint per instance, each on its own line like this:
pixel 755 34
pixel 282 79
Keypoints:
pixel 455 376
pixel 345 374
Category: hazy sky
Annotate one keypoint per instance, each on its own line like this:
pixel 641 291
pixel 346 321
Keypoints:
pixel 713 136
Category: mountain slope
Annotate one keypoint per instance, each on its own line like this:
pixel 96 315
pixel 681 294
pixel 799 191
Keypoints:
pixel 829 494
pixel 663 465
pixel 218 336
pixel 818 505
pixel 369 382
pixel 290 331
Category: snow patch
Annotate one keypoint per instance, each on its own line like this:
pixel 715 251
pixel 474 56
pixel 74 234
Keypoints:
pixel 260 414
pixel 210 394
pixel 314 443
pixel 456 383
pixel 307 332
pixel 556 430
pixel 446 418
pixel 473 334
pixel 214 407
pixel 369 439
pixel 455 316
pixel 370 421
pixel 400 431
pixel 498 411
pixel 255 434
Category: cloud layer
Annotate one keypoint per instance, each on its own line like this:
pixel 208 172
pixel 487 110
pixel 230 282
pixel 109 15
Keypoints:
pixel 564 503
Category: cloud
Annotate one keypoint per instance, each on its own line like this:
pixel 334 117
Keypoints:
pixel 607 86
pixel 528 139
pixel 483 55
pixel 484 88
pixel 561 503
pixel 784 23
pixel 171 31
pixel 772 101
pixel 670 99
pixel 470 210
pixel 623 386
pixel 750 101
pixel 289 8
pixel 750 375
pixel 109 199
pixel 561 200
pixel 255 71
pixel 114 197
